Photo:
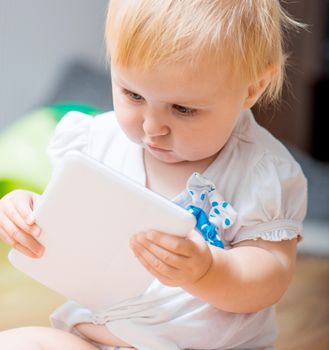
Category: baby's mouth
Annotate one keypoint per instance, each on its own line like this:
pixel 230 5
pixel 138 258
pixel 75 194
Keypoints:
pixel 156 148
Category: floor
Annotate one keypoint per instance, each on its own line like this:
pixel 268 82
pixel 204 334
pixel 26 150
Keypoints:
pixel 303 313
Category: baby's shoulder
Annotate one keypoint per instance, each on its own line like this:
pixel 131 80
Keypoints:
pixel 79 121
pixel 255 146
pixel 76 125
pixel 264 184
pixel 253 161
pixel 82 132
pixel 105 120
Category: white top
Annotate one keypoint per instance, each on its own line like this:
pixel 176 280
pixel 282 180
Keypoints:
pixel 253 172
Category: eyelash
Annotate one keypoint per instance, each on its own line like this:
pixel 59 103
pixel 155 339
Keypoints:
pixel 189 111
pixel 131 95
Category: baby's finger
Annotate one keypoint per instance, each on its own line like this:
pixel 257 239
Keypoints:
pixel 6 238
pixel 11 242
pixel 150 261
pixel 25 209
pixel 163 279
pixel 34 197
pixel 17 235
pixel 195 236
pixel 28 242
pixel 18 214
pixel 175 244
pixel 25 251
pixel 7 225
pixel 167 257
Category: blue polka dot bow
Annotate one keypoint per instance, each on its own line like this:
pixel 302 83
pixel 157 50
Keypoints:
pixel 206 199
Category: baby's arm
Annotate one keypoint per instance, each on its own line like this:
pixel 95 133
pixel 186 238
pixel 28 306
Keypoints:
pixel 249 277
pixel 246 278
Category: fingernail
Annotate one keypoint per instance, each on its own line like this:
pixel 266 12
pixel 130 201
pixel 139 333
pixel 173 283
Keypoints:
pixel 36 231
pixel 30 220
pixel 40 252
pixel 135 236
pixel 139 237
pixel 17 235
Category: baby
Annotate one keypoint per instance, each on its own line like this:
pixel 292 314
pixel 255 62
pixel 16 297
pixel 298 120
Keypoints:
pixel 185 75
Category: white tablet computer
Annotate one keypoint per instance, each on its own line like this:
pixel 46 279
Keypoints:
pixel 87 214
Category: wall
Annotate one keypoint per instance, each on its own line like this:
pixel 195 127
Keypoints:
pixel 292 120
pixel 37 39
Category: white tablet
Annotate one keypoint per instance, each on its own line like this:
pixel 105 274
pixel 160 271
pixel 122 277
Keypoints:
pixel 87 214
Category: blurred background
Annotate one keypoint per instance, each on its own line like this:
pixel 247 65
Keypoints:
pixel 40 42
pixel 52 59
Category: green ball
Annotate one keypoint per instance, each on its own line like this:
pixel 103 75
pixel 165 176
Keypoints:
pixel 24 163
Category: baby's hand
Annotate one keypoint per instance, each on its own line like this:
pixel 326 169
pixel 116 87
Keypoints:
pixel 174 261
pixel 17 224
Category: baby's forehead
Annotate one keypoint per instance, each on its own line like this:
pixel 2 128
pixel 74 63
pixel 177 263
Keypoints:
pixel 176 82
pixel 185 70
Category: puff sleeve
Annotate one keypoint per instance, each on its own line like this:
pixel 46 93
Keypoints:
pixel 71 133
pixel 271 202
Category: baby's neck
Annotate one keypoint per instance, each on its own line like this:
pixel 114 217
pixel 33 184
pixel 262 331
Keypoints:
pixel 170 179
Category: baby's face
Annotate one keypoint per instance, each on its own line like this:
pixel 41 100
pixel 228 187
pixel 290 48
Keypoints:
pixel 178 114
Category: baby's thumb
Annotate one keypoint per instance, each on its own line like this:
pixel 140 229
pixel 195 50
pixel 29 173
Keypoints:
pixel 195 236
pixel 30 219
pixel 29 207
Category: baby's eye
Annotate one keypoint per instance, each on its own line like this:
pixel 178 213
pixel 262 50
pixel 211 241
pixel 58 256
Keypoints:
pixel 185 111
pixel 135 96
pixel 132 95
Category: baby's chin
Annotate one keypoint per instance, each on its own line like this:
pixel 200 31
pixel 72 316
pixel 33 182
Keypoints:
pixel 165 157
pixel 173 158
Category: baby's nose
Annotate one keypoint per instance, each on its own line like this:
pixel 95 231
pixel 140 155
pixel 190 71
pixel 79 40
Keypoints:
pixel 154 126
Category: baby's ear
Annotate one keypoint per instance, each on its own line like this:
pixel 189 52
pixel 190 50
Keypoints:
pixel 256 89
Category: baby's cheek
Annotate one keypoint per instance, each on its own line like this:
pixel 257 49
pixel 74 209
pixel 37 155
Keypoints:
pixel 132 127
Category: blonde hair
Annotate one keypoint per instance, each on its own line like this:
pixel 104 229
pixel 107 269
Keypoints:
pixel 247 34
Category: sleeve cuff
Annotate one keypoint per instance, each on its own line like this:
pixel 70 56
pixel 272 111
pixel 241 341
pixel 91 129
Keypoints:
pixel 272 231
